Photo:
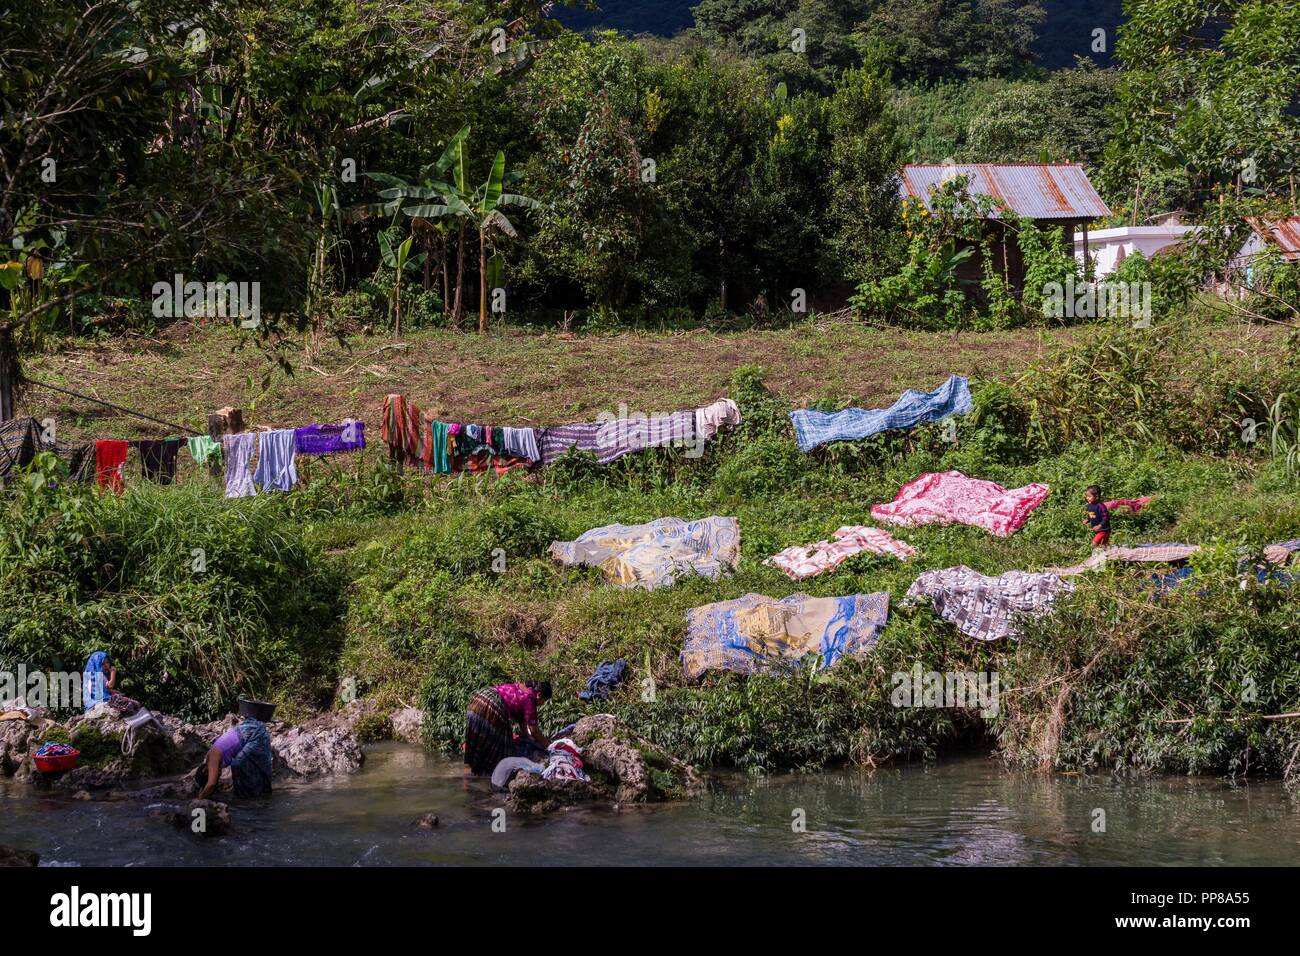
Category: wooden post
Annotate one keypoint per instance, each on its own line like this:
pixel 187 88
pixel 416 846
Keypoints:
pixel 1087 263
pixel 224 421
pixel 8 373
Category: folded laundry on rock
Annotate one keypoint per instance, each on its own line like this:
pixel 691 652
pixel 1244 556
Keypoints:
pixel 564 761
pixel 509 766
pixel 948 496
pixel 803 561
pixel 657 553
pixel 813 428
pixel 608 675
pixel 984 607
pixel 756 631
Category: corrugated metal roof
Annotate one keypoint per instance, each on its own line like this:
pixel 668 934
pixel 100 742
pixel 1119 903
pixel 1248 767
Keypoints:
pixel 1284 232
pixel 1036 190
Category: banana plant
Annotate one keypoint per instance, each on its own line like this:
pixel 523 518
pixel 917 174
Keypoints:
pixel 487 202
pixel 397 256
pixel 440 194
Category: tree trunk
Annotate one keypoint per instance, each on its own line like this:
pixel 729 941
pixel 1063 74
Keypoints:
pixel 458 306
pixel 8 372
pixel 397 303
pixel 482 282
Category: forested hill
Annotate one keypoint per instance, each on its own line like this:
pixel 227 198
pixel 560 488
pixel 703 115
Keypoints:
pixel 1066 30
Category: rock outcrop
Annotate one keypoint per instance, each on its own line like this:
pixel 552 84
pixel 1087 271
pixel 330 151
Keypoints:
pixel 111 756
pixel 408 724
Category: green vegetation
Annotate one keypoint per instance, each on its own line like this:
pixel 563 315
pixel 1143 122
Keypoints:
pixel 423 590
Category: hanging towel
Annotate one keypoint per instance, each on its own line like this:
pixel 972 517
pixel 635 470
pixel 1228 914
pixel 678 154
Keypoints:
pixel 329 439
pixel 275 465
pixel 19 441
pixel 158 459
pixel 110 456
pixel 439 462
pixel 238 452
pixel 80 460
pixel 813 428
pixel 521 443
pixel 202 448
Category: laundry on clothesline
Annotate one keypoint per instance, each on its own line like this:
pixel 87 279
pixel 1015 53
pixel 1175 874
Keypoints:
pixel 985 607
pixel 110 458
pixel 813 428
pixel 655 554
pixel 949 496
pixel 710 418
pixel 237 450
pixel 276 468
pixel 445 448
pixel 756 631
pixel 804 561
pixel 330 439
pixel 158 458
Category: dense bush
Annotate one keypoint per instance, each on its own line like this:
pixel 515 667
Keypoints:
pixel 196 600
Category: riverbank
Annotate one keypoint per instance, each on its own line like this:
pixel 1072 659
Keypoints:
pixel 959 811
pixel 409 589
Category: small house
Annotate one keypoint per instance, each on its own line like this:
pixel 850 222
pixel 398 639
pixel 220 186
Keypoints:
pixel 1055 195
pixel 1107 248
pixel 1281 236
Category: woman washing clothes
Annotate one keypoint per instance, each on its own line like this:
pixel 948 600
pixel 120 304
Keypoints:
pixel 99 686
pixel 489 736
pixel 246 750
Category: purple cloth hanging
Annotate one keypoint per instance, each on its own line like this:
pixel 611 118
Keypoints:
pixel 328 439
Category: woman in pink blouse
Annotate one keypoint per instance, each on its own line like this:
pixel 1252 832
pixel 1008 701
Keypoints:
pixel 489 736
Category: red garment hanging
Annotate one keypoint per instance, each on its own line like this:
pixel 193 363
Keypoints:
pixel 110 456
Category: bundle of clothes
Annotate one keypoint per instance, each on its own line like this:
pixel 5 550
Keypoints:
pixel 563 762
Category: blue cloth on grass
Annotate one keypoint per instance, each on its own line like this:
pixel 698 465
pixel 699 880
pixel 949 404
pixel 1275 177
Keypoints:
pixel 813 428
pixel 608 675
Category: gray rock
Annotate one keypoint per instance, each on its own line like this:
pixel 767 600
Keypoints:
pixel 408 724
pixel 427 822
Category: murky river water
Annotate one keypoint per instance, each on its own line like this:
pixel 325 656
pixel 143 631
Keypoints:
pixel 960 811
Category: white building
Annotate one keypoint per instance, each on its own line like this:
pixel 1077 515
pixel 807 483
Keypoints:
pixel 1109 247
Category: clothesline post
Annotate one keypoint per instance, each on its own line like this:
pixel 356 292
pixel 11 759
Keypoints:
pixel 224 421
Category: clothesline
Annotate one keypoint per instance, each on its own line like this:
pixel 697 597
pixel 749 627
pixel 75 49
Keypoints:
pixel 117 408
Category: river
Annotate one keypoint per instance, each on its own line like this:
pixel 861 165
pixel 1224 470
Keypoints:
pixel 958 811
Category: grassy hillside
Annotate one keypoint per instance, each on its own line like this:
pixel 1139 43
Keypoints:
pixel 418 612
